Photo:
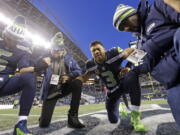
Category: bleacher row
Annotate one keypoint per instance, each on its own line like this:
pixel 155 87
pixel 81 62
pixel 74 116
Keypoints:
pixel 150 90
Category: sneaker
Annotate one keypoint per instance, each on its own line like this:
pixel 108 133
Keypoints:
pixel 21 128
pixel 136 121
pixel 123 111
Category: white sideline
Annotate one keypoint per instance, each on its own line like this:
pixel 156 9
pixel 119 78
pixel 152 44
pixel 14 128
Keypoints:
pixel 6 106
pixel 151 107
pixel 33 126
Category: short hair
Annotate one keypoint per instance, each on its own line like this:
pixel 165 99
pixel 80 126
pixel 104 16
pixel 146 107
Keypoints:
pixel 95 43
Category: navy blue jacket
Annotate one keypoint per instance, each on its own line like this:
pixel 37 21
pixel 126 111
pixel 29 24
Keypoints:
pixel 159 23
pixel 11 59
pixel 73 70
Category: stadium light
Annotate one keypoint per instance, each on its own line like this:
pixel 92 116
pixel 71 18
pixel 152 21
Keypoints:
pixel 36 39
pixel 5 20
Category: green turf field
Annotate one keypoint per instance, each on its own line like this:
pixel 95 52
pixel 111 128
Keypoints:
pixel 9 117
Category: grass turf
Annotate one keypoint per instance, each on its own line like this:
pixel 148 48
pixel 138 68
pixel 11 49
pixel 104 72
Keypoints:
pixel 8 117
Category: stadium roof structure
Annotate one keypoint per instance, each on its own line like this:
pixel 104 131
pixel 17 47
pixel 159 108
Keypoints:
pixel 38 22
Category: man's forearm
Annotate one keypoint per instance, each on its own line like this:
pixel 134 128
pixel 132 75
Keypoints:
pixel 127 52
pixel 27 69
pixel 84 77
pixel 40 65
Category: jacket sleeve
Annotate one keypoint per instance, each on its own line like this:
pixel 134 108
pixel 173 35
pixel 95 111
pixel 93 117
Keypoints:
pixel 24 61
pixel 45 84
pixel 159 43
pixel 161 39
pixel 73 67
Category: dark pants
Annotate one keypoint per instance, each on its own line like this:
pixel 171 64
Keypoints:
pixel 174 92
pixel 49 105
pixel 75 89
pixel 26 83
pixel 130 85
pixel 177 44
pixel 167 72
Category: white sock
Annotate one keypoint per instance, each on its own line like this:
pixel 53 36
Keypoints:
pixel 22 118
pixel 134 108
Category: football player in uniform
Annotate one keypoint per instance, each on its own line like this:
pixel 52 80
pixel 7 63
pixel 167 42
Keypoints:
pixel 118 80
pixel 14 56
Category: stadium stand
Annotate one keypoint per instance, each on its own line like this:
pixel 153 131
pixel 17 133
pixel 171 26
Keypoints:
pixel 38 22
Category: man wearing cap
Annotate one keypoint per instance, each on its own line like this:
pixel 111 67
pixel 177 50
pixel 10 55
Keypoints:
pixel 14 56
pixel 157 28
pixel 62 83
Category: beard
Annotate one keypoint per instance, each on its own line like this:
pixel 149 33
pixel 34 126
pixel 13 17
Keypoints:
pixel 99 59
pixel 134 29
pixel 134 24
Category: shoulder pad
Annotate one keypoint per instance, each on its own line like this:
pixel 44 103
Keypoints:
pixel 115 50
pixel 114 54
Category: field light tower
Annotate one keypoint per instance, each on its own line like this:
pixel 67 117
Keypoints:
pixel 37 40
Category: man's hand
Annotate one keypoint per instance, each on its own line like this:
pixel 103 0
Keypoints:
pixel 124 71
pixel 83 78
pixel 64 79
pixel 127 52
pixel 47 60
pixel 17 73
